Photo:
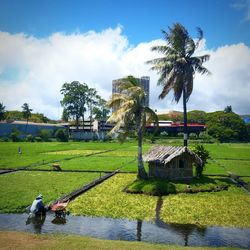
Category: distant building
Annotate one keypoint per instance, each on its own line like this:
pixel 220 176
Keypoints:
pixel 144 82
pixel 7 127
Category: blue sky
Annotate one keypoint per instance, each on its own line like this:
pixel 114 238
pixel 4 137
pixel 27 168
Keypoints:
pixel 46 43
pixel 223 21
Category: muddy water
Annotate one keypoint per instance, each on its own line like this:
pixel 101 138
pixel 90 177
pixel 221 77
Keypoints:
pixel 118 229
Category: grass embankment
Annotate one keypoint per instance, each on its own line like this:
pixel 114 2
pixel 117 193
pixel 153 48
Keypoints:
pixel 162 187
pixel 20 240
pixel 19 189
pixel 225 208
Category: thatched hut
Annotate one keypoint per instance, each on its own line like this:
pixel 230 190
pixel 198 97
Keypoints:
pixel 172 163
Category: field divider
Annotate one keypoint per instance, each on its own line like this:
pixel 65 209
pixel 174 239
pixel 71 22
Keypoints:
pixel 54 161
pixel 75 193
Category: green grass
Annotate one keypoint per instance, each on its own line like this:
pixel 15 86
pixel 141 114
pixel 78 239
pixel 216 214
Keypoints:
pixel 162 187
pixel 225 208
pixel 37 153
pixel 109 200
pixel 21 240
pixel 19 189
pixel 96 162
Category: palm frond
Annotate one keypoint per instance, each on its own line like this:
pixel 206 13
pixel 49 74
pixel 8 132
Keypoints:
pixel 199 36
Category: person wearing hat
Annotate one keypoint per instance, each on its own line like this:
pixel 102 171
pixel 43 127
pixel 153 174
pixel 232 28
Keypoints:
pixel 37 207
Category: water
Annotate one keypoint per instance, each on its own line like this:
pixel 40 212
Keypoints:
pixel 122 229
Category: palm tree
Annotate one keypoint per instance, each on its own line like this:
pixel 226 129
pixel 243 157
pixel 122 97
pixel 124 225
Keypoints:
pixel 2 111
pixel 26 114
pixel 178 65
pixel 129 113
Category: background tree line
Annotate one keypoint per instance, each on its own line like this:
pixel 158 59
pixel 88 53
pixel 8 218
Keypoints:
pixel 222 125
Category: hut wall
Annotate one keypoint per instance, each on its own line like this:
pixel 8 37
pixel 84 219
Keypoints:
pixel 174 170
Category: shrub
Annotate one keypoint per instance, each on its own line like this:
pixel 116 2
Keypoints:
pixel 30 138
pixel 14 136
pixel 204 155
pixel 61 135
pixel 44 134
pixel 38 139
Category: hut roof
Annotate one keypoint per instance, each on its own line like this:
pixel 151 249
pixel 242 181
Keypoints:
pixel 164 154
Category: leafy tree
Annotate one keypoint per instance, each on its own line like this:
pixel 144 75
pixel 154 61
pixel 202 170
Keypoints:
pixel 101 111
pixel 26 114
pixel 2 111
pixel 131 114
pixel 178 65
pixel 228 109
pixel 92 101
pixel 196 116
pixel 75 100
pixel 226 126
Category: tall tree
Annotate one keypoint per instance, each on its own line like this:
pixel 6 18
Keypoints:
pixel 101 111
pixel 131 114
pixel 92 101
pixel 75 100
pixel 26 114
pixel 2 111
pixel 178 65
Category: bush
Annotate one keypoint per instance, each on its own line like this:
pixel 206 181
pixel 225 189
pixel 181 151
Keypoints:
pixel 30 138
pixel 38 139
pixel 44 134
pixel 204 155
pixel 4 139
pixel 61 135
pixel 14 136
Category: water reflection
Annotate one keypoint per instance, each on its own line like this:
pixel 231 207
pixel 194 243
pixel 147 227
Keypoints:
pixel 59 220
pixel 37 222
pixel 117 229
pixel 183 230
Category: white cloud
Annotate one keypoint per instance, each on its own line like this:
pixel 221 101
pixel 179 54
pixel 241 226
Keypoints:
pixel 39 67
pixel 245 6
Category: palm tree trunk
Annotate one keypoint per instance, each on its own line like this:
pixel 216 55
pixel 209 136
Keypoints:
pixel 142 174
pixel 185 130
pixel 26 126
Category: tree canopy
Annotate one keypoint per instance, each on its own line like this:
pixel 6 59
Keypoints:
pixel 130 114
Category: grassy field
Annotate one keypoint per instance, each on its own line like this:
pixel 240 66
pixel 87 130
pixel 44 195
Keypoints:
pixel 108 200
pixel 224 208
pixel 20 188
pixel 89 156
pixel 39 153
pixel 20 240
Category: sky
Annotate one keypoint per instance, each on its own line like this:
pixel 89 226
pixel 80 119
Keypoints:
pixel 44 44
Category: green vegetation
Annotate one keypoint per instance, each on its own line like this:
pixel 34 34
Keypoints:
pixel 226 126
pixel 225 208
pixel 131 115
pixel 161 187
pixel 178 65
pixel 41 153
pixel 20 188
pixel 20 240
pixel 109 200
